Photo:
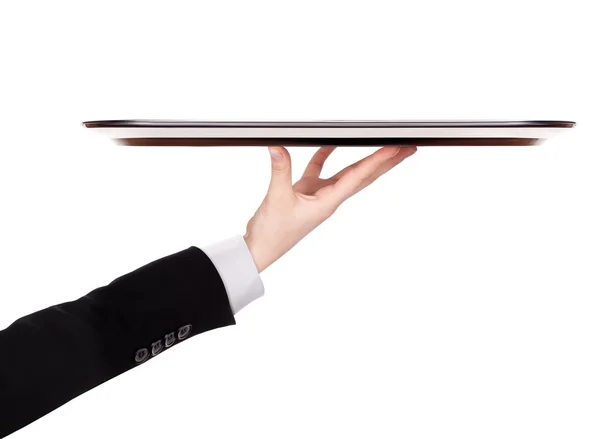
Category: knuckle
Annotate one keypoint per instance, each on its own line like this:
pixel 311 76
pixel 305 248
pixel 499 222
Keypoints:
pixel 280 168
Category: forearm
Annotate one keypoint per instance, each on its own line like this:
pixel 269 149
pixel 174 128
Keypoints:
pixel 56 354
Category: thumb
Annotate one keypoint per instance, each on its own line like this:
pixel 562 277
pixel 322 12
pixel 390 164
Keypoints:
pixel 281 170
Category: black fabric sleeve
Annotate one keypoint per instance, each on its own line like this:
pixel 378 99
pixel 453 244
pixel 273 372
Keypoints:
pixel 54 355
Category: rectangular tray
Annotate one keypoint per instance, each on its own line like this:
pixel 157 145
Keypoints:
pixel 147 132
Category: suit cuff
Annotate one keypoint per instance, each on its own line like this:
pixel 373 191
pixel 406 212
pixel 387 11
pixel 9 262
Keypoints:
pixel 235 265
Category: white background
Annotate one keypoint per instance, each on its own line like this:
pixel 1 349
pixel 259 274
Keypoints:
pixel 456 297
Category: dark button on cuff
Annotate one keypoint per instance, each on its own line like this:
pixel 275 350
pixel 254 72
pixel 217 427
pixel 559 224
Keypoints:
pixel 157 346
pixel 141 355
pixel 169 339
pixel 184 331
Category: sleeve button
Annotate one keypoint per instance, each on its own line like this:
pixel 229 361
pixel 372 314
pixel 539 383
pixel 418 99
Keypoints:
pixel 184 331
pixel 169 339
pixel 141 355
pixel 157 346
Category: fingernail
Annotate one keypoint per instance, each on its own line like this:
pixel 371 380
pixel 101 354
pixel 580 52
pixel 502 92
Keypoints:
pixel 396 152
pixel 275 154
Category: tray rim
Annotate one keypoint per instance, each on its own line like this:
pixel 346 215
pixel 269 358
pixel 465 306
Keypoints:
pixel 182 123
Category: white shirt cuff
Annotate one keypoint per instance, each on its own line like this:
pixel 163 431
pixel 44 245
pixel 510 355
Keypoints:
pixel 235 265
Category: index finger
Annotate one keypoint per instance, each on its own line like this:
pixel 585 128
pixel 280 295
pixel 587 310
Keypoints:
pixel 355 178
pixel 315 166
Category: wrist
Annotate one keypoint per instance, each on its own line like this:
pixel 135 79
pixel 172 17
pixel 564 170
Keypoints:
pixel 255 253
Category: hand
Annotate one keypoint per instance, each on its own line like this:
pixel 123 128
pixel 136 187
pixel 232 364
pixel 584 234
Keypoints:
pixel 290 212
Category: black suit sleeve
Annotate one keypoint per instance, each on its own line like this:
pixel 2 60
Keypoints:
pixel 54 355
